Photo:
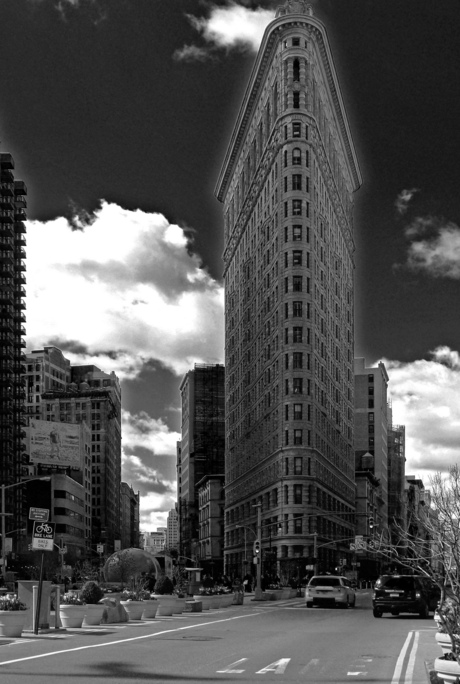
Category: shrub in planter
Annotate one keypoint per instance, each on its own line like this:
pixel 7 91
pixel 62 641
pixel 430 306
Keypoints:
pixel 91 592
pixel 71 599
pixel 11 603
pixel 164 585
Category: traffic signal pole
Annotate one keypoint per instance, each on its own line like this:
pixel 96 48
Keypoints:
pixel 258 589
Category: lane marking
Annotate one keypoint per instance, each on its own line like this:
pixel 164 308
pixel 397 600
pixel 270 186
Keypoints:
pixel 277 667
pixel 400 661
pixel 124 641
pixel 230 669
pixel 310 665
pixel 355 674
pixel 411 663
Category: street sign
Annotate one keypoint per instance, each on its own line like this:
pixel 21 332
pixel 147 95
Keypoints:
pixel 100 548
pixel 41 514
pixel 43 536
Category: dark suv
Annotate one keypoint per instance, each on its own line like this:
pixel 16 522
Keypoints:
pixel 404 594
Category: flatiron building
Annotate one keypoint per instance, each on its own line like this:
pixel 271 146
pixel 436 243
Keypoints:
pixel 287 186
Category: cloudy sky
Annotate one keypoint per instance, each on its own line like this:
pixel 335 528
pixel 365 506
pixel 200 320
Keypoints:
pixel 118 113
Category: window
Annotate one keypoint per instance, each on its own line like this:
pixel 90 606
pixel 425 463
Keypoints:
pixel 297 309
pixel 298 411
pixel 297 181
pixel 298 524
pixel 370 378
pixel 296 67
pixel 297 257
pixel 297 233
pixel 297 360
pixel 295 42
pixel 296 100
pixel 296 128
pixel 297 437
pixel 298 462
pixel 297 283
pixel 297 333
pixel 297 494
pixel 296 156
pixel 298 385
pixel 297 207
pixel 286 494
pixel 370 417
pixel 286 412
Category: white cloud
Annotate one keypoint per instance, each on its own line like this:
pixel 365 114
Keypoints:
pixel 424 395
pixel 434 248
pixel 230 27
pixel 403 199
pixel 122 291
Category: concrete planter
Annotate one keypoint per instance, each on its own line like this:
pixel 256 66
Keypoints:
pixel 12 622
pixel 134 609
pixel 205 600
pixel 180 606
pixel 447 670
pixel 93 614
pixel 226 600
pixel 150 609
pixel 166 604
pixel 444 641
pixel 71 615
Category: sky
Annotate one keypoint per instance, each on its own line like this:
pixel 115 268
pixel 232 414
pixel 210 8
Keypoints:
pixel 118 114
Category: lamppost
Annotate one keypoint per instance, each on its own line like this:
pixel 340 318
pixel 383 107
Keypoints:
pixel 4 514
pixel 258 590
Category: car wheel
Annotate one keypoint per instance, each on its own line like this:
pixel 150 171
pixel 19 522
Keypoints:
pixel 377 613
pixel 309 604
pixel 354 602
pixel 424 611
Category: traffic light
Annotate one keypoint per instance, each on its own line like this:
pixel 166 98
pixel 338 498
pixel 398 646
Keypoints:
pixel 257 547
pixel 371 523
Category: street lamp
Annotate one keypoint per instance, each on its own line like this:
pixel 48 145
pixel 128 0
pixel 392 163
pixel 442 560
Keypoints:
pixel 4 514
pixel 258 590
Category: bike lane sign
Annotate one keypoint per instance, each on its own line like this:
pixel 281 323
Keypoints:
pixel 43 536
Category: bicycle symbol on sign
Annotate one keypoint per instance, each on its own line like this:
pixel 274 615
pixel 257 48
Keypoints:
pixel 44 529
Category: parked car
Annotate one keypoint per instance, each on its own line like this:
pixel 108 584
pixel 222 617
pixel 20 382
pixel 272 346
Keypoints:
pixel 330 590
pixel 404 594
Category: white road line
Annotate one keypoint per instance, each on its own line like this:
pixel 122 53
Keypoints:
pixel 231 668
pixel 400 661
pixel 123 641
pixel 411 663
pixel 310 665
pixel 277 667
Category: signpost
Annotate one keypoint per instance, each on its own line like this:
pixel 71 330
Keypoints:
pixel 43 540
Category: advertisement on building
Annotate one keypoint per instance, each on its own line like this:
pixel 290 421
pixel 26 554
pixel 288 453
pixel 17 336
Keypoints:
pixel 53 443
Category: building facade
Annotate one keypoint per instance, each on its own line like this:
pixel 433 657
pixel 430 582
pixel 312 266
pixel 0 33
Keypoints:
pixel 12 339
pixel 371 432
pixel 287 186
pixel 130 517
pixel 172 530
pixel 202 449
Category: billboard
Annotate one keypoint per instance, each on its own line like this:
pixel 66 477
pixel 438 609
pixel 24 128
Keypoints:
pixel 55 443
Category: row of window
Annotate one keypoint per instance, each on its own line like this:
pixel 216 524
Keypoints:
pixel 297 412
pixel 297 258
pixel 297 208
pixel 298 284
pixel 298 335
pixel 296 130
pixel 296 157
pixel 297 437
pixel 299 309
pixel 297 233
pixel 297 182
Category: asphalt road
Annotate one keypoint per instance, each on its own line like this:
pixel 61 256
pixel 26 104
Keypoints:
pixel 276 641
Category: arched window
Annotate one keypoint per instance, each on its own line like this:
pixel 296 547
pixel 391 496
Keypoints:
pixel 296 70
pixel 296 156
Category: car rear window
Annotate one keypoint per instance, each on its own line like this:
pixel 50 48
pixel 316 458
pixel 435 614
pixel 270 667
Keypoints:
pixel 401 583
pixel 325 582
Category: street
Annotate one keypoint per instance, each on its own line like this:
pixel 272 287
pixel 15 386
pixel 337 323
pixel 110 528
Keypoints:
pixel 280 641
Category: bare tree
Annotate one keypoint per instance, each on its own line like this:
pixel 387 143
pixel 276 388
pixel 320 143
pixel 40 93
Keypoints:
pixel 430 545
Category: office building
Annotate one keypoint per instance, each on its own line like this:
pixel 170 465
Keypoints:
pixel 371 436
pixel 130 517
pixel 287 186
pixel 202 448
pixel 12 333
pixel 172 530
